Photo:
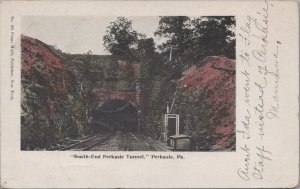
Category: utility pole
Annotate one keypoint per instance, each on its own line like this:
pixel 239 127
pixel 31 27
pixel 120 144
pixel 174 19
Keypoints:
pixel 171 51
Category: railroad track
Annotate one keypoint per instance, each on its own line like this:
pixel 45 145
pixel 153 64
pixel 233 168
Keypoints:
pixel 151 146
pixel 137 139
pixel 117 141
pixel 87 144
pixel 133 142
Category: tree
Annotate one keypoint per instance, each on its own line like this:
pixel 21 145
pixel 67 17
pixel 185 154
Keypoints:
pixel 213 36
pixel 146 47
pixel 177 31
pixel 120 38
pixel 197 38
pixel 149 59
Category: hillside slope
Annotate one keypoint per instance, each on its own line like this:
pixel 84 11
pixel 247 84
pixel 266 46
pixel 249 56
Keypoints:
pixel 214 79
pixel 48 96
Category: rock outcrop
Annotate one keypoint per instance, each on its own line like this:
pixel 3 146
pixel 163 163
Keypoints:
pixel 215 78
pixel 49 96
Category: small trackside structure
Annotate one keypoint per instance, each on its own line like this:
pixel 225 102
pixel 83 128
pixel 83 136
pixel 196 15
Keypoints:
pixel 180 142
pixel 172 133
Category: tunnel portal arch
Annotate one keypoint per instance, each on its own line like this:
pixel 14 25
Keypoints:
pixel 100 96
pixel 115 114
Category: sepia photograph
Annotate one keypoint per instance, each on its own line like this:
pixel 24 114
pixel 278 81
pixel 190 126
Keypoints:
pixel 149 94
pixel 144 83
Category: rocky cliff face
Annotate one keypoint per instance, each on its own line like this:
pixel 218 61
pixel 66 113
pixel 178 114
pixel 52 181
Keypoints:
pixel 56 91
pixel 43 67
pixel 47 93
pixel 214 77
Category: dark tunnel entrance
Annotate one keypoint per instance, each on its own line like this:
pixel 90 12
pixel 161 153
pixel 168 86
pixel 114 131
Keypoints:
pixel 115 115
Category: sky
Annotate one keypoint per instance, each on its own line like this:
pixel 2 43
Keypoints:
pixel 77 35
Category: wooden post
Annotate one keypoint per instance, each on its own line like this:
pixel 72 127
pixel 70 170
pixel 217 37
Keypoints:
pixel 177 125
pixel 166 125
pixel 139 121
pixel 168 108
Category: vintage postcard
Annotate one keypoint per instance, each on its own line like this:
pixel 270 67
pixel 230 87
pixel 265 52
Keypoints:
pixel 149 94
